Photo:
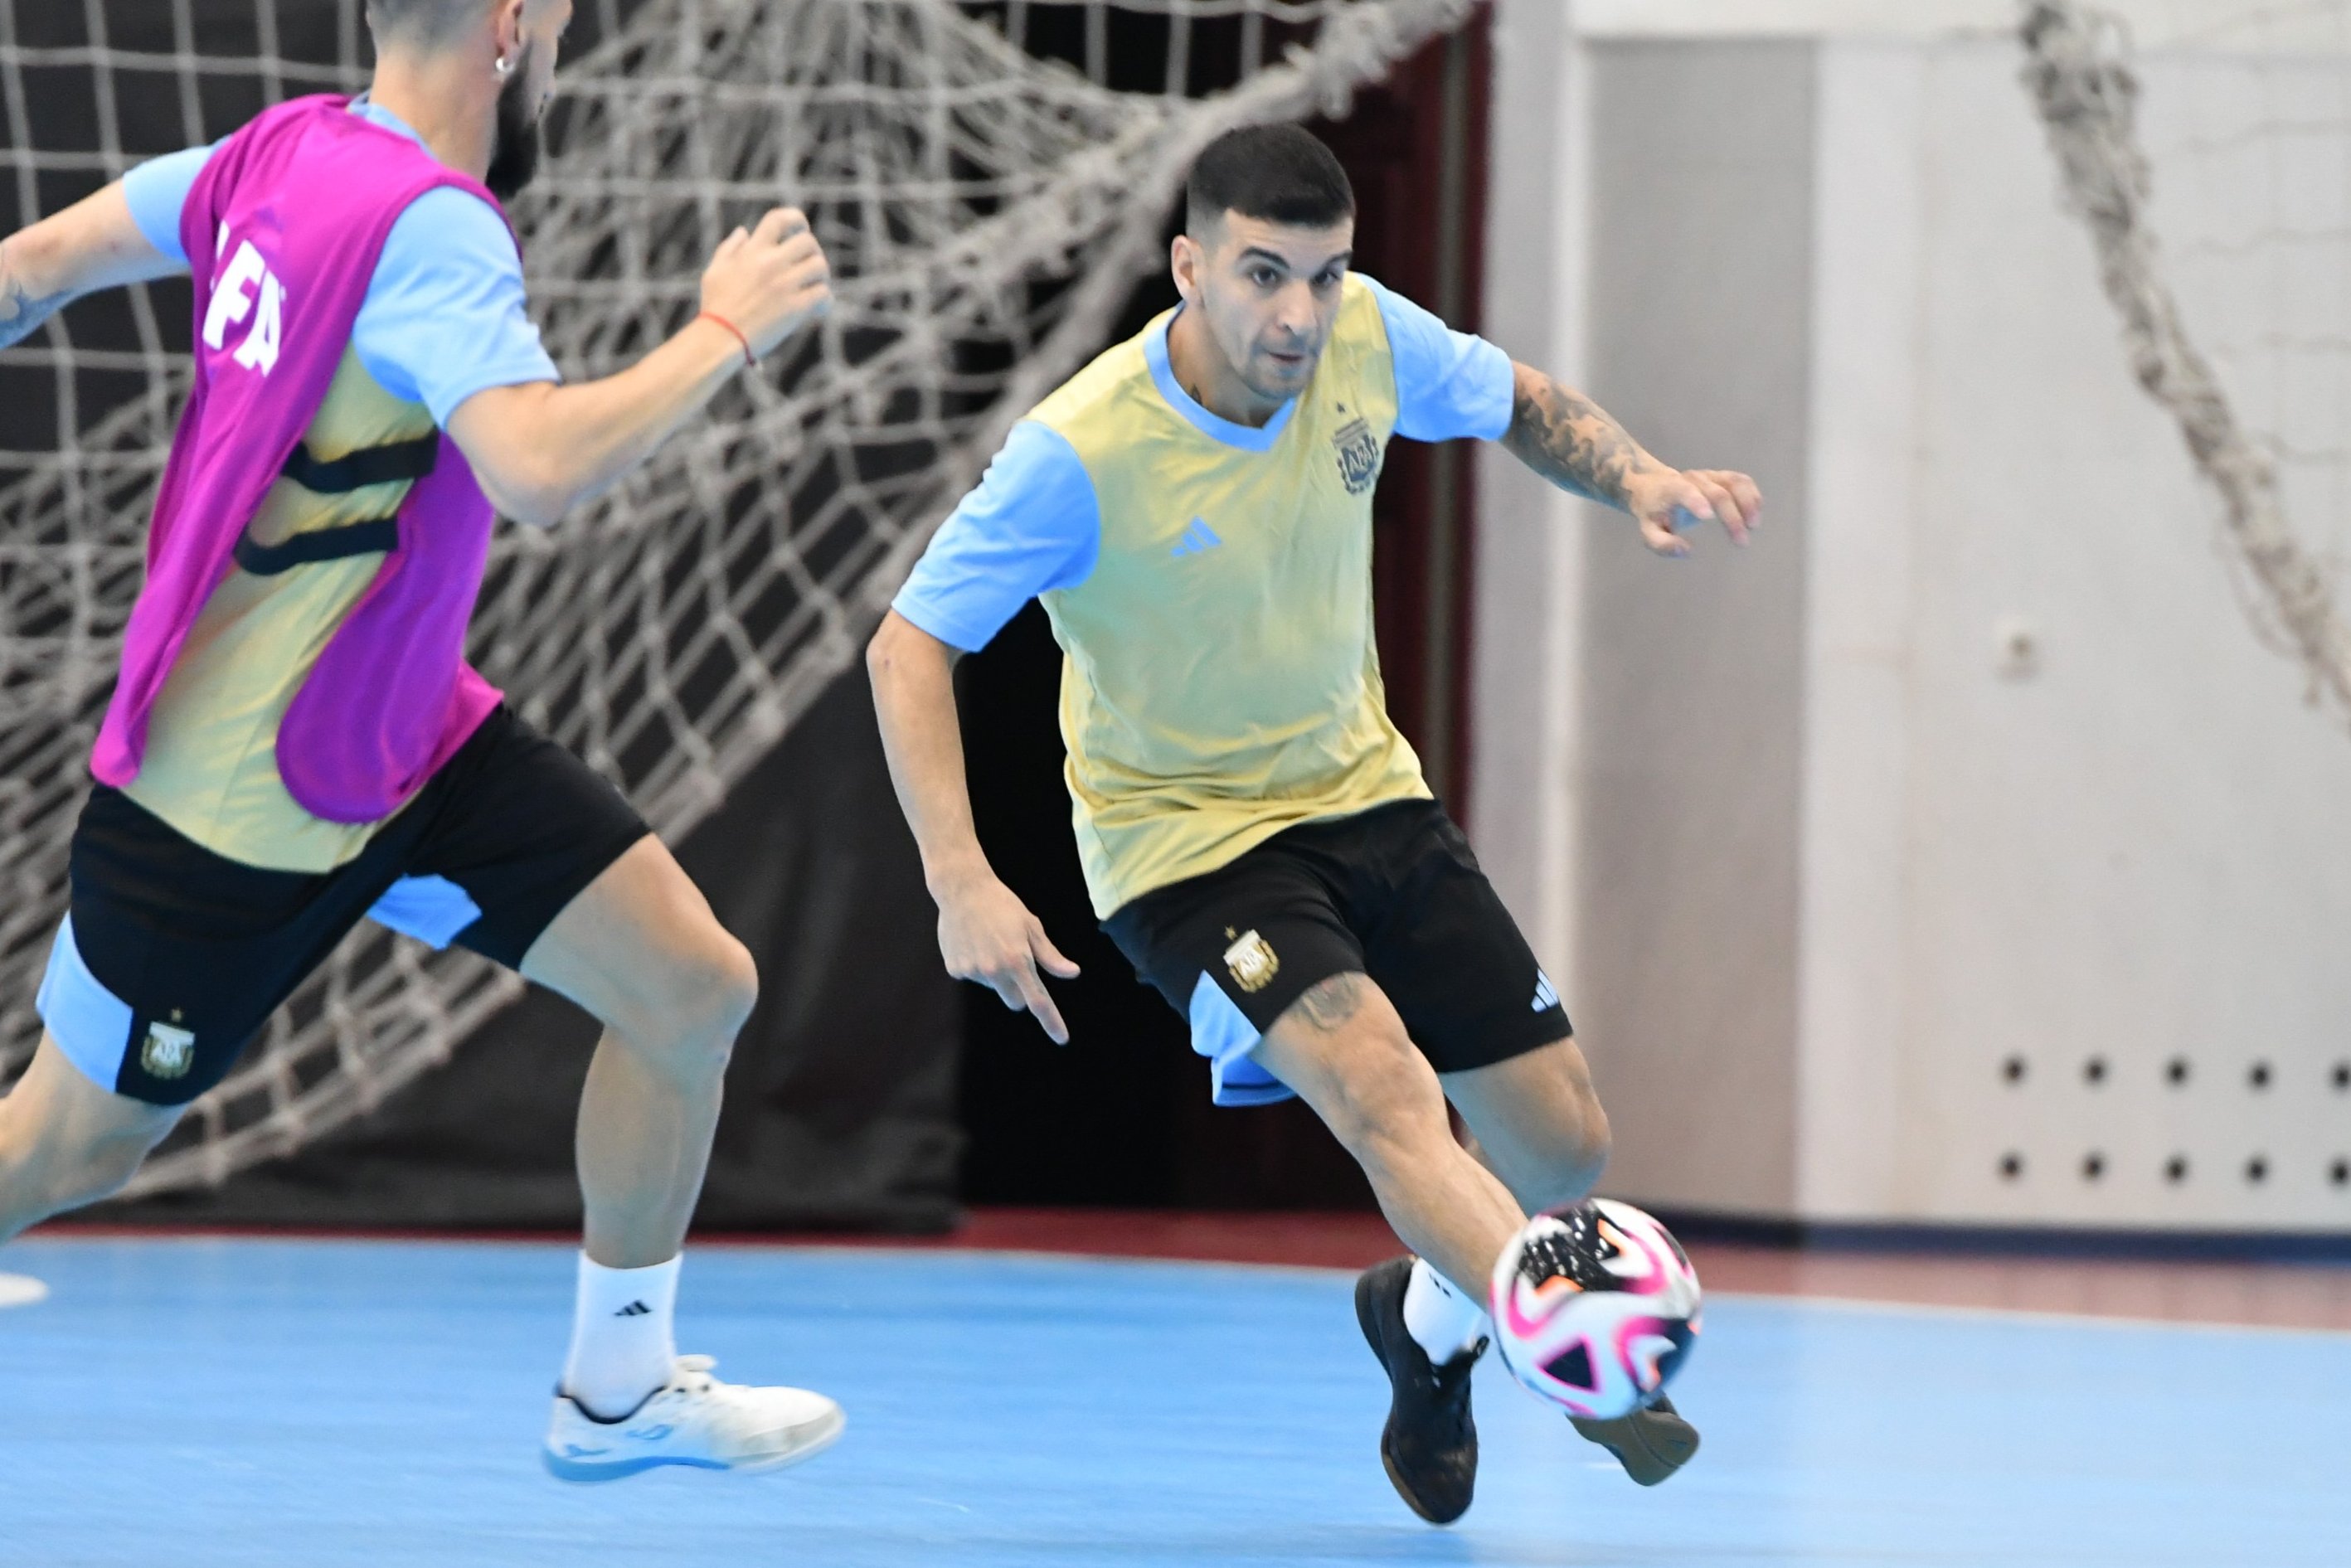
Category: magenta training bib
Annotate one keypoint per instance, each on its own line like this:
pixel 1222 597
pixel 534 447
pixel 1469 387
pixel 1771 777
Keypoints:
pixel 283 231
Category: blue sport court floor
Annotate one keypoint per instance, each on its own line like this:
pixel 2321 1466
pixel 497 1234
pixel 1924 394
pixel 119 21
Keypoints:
pixel 200 1402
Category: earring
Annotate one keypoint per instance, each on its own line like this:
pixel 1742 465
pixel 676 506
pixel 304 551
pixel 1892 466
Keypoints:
pixel 506 67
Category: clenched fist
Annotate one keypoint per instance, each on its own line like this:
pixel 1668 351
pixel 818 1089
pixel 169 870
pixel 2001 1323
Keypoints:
pixel 769 281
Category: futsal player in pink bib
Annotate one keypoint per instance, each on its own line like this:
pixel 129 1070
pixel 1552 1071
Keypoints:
pixel 296 744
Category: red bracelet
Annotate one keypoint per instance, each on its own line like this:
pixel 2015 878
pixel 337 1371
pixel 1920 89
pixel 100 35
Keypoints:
pixel 748 357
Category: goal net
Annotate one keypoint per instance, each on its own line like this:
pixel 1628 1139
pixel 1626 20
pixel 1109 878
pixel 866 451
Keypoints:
pixel 989 179
pixel 2206 146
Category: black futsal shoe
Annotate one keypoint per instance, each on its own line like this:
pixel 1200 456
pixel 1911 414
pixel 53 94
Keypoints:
pixel 1651 1444
pixel 1430 1445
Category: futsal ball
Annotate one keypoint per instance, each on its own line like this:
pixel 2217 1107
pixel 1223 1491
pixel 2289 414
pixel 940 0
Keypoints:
pixel 1595 1308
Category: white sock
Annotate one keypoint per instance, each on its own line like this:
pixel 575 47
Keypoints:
pixel 1441 1319
pixel 623 1341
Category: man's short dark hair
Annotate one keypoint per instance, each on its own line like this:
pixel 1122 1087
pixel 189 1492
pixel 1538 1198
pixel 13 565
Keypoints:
pixel 1275 173
pixel 422 22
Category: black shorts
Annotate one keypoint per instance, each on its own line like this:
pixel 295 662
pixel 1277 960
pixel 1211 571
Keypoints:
pixel 1393 892
pixel 173 957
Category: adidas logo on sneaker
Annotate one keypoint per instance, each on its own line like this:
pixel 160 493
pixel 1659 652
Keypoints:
pixel 1546 995
pixel 634 1309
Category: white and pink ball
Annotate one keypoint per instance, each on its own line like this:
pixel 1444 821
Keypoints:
pixel 1595 1308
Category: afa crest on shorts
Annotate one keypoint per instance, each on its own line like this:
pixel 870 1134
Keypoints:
pixel 1358 455
pixel 1252 962
pixel 169 1051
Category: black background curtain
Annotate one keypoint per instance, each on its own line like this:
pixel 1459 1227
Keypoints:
pixel 868 1090
pixel 840 1108
pixel 840 1099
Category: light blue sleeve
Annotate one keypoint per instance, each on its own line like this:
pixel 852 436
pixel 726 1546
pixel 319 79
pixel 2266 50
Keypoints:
pixel 158 189
pixel 1033 524
pixel 1448 384
pixel 444 315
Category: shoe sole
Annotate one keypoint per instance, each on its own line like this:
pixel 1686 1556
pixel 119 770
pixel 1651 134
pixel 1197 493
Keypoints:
pixel 578 1474
pixel 1411 1500
pixel 1367 1319
pixel 1651 1450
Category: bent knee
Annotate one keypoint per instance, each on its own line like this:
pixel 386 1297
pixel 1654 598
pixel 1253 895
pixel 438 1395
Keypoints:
pixel 1572 1161
pixel 1388 1106
pixel 1593 1139
pixel 714 988
pixel 729 976
pixel 1570 1183
pixel 693 1000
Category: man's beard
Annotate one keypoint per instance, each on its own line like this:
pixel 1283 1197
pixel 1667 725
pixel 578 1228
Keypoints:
pixel 514 156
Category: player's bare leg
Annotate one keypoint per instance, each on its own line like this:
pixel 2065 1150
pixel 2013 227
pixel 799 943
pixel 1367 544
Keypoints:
pixel 1346 1051
pixel 1539 1126
pixel 642 953
pixel 64 1142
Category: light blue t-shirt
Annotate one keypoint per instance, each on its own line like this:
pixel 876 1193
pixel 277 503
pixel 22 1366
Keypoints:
pixel 444 315
pixel 1034 524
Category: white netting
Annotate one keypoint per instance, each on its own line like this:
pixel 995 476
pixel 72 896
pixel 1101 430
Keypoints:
pixel 987 211
pixel 2224 128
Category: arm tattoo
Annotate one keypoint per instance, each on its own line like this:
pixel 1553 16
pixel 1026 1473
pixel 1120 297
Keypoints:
pixel 21 314
pixel 1571 441
pixel 1330 1003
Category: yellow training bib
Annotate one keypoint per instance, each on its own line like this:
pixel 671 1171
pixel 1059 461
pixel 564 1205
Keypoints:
pixel 1219 677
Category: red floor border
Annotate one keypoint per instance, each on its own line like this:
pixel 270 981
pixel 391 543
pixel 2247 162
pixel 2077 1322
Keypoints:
pixel 2272 1295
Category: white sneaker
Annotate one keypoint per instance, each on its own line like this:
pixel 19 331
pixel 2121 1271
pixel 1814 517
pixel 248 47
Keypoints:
pixel 693 1420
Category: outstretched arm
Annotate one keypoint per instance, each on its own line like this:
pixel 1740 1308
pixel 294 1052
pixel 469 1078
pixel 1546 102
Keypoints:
pixel 90 246
pixel 1571 441
pixel 986 933
pixel 539 449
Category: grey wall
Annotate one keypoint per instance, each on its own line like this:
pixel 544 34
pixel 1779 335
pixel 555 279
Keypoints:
pixel 1691 672
pixel 1862 914
pixel 2128 849
pixel 1522 659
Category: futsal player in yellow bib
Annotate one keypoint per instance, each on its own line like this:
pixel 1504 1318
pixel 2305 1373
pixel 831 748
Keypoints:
pixel 1195 509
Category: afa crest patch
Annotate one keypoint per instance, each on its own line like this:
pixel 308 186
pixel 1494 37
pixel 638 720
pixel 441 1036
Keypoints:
pixel 1358 455
pixel 169 1051
pixel 1252 962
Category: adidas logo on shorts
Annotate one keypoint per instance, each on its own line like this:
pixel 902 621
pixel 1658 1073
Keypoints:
pixel 1546 994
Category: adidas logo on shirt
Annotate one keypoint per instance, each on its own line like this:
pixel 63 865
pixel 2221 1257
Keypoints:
pixel 1199 539
pixel 634 1309
pixel 1546 994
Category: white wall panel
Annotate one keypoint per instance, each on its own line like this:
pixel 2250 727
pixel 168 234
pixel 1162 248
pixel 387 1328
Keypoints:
pixel 2199 25
pixel 1691 672
pixel 1869 226
pixel 1528 592
pixel 2072 859
pixel 2136 852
